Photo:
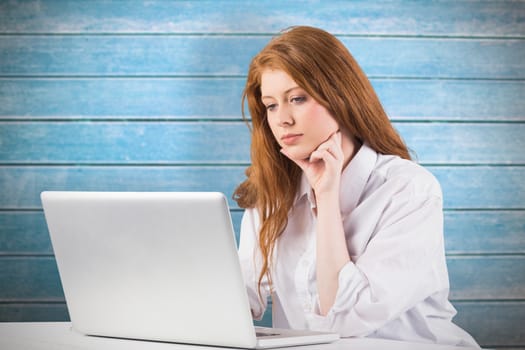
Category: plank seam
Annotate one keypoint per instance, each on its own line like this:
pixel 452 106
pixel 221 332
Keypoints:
pixel 269 35
pixel 154 164
pixel 236 76
pixel 229 119
pixel 220 119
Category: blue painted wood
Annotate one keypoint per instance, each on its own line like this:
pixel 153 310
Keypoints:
pixel 451 99
pixel 229 142
pixel 493 324
pixel 193 98
pixel 125 142
pixel 466 232
pixel 24 233
pixel 449 17
pixel 27 279
pixel 481 187
pixel 481 232
pixel 464 187
pixel 465 143
pixel 33 312
pixel 219 98
pixel 229 55
pixel 479 278
pixel 22 185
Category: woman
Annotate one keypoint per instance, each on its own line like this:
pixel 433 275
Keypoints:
pixel 341 228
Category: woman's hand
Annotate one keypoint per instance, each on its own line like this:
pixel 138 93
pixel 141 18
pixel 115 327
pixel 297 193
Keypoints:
pixel 324 166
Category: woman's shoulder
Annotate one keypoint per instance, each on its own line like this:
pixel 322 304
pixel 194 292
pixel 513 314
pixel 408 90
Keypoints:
pixel 408 174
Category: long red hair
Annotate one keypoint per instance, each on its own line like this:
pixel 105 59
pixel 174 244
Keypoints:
pixel 321 65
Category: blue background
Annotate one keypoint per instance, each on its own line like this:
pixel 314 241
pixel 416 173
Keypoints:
pixel 145 96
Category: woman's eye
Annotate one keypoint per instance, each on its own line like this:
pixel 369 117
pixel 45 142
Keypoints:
pixel 270 107
pixel 297 99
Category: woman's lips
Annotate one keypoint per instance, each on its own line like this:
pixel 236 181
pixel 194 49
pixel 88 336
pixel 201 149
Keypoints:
pixel 290 139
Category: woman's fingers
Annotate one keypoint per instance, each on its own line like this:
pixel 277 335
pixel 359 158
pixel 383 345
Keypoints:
pixel 322 155
pixel 332 146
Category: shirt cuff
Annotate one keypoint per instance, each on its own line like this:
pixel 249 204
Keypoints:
pixel 350 280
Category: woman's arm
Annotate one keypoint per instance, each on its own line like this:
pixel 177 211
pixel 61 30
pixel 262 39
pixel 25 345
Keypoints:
pixel 403 265
pixel 332 253
pixel 323 170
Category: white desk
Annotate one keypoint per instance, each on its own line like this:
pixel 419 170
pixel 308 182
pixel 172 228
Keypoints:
pixel 59 336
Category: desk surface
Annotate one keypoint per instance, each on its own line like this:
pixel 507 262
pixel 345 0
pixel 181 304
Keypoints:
pixel 60 336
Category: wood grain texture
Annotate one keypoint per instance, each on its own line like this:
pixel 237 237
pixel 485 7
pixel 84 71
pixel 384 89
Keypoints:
pixel 30 279
pixel 36 312
pixel 493 324
pixel 479 278
pixel 485 232
pixel 229 56
pixel 24 233
pixel 219 98
pixel 444 18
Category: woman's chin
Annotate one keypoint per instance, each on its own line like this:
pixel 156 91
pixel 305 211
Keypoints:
pixel 296 154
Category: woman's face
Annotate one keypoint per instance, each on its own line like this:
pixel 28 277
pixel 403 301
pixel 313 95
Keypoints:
pixel 298 122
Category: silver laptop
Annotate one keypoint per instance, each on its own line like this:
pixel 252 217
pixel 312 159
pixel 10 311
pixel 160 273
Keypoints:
pixel 159 266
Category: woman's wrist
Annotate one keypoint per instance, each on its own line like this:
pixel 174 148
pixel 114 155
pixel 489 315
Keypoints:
pixel 327 199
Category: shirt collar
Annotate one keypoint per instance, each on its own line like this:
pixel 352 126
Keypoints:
pixel 353 180
pixel 305 190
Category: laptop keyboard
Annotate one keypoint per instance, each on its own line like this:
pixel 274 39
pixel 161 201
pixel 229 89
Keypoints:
pixel 261 334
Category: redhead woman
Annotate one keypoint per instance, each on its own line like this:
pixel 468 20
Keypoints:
pixel 341 229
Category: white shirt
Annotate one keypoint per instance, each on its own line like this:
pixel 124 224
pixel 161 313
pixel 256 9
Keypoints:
pixel 396 284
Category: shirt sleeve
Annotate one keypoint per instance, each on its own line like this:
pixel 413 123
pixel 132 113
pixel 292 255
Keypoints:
pixel 251 262
pixel 402 265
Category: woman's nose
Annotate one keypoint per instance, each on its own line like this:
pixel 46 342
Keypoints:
pixel 285 116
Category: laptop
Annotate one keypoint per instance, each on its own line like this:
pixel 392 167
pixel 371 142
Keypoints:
pixel 159 266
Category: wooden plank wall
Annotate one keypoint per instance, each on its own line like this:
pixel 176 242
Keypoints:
pixel 145 96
